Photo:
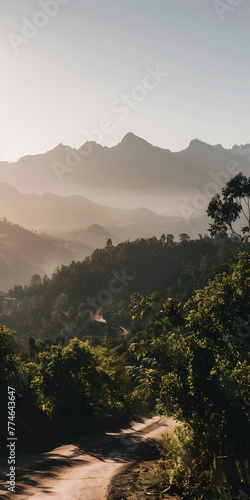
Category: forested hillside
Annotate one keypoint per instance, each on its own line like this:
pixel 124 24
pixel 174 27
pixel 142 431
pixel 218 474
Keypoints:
pixel 144 327
pixel 106 280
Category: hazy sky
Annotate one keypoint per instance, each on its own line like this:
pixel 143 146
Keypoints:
pixel 63 78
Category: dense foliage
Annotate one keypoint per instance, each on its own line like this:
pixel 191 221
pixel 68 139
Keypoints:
pixel 146 326
pixel 64 305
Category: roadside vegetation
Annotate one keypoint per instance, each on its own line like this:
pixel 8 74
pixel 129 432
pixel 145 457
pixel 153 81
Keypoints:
pixel 175 341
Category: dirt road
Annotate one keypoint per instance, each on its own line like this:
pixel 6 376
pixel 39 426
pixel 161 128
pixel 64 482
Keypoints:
pixel 83 470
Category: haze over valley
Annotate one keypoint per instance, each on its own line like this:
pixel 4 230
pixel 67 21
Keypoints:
pixel 125 250
pixel 132 174
pixel 139 191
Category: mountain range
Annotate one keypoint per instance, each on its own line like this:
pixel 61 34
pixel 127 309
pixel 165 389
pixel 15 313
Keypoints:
pixel 136 190
pixel 132 174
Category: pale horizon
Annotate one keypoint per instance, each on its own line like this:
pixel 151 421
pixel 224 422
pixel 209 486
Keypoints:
pixel 78 67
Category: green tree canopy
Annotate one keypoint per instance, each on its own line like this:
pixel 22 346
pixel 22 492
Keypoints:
pixel 227 208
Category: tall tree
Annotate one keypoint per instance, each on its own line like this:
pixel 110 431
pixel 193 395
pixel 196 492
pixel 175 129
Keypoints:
pixel 227 208
pixel 170 239
pixel 184 237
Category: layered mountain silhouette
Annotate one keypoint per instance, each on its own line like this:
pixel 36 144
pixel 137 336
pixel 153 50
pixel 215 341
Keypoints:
pixel 70 217
pixel 132 174
pixel 90 195
pixel 24 253
pixel 50 210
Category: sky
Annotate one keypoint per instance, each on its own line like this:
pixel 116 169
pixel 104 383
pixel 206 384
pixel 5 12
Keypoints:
pixel 167 70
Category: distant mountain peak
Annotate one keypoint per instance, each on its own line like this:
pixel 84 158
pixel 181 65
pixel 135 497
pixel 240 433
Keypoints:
pixel 96 228
pixel 130 136
pixel 58 147
pixel 131 139
pixel 93 144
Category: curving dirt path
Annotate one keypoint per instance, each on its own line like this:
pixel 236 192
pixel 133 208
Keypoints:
pixel 83 470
